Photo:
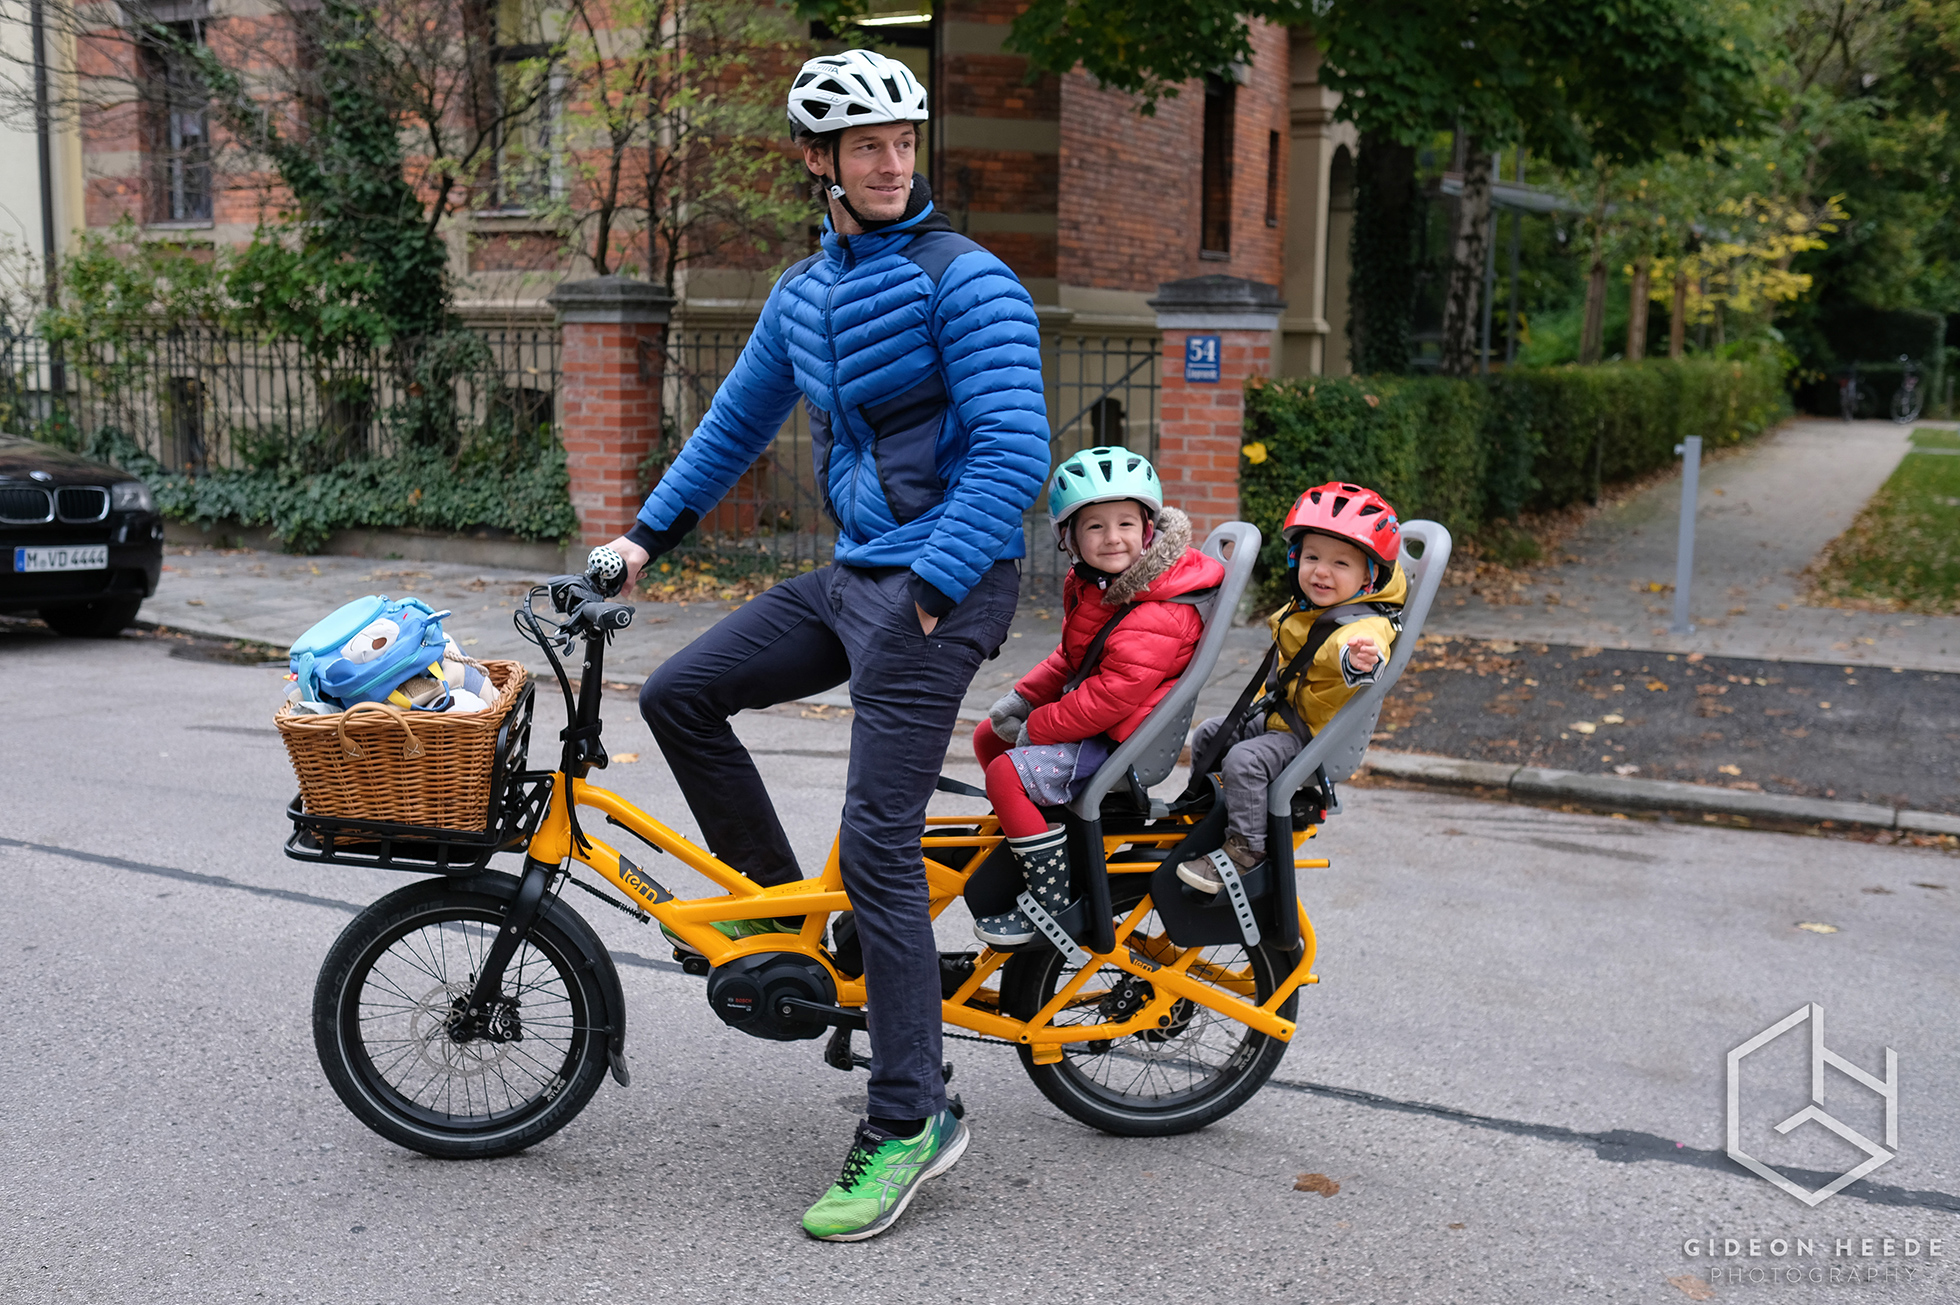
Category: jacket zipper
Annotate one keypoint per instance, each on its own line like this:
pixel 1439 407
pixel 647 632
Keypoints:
pixel 840 419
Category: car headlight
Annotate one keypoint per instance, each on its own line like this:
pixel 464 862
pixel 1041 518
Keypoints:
pixel 132 496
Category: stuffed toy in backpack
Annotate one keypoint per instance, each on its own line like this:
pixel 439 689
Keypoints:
pixel 365 651
pixel 455 684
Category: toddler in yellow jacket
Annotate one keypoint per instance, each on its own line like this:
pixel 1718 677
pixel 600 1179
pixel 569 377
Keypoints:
pixel 1334 637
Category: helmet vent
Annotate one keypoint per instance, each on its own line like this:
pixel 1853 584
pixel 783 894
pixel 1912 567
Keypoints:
pixel 1340 504
pixel 1369 510
pixel 1107 468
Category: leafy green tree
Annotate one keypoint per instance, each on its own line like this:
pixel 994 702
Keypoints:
pixel 675 132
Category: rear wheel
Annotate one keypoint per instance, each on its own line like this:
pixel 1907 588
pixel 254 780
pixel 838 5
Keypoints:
pixel 1174 1079
pixel 103 618
pixel 388 1026
pixel 1907 402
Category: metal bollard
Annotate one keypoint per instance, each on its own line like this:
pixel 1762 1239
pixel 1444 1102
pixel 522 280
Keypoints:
pixel 1684 562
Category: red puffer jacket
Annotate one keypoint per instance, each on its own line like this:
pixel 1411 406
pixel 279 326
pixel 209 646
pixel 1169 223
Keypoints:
pixel 1142 657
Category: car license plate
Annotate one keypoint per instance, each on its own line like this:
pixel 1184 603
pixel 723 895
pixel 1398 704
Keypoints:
pixel 84 557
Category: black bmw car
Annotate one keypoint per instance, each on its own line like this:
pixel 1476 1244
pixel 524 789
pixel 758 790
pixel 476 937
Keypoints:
pixel 80 542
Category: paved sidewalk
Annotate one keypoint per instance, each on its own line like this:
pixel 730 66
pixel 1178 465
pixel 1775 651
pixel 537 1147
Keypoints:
pixel 273 598
pixel 1765 513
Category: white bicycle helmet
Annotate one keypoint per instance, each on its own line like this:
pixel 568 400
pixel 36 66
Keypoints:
pixel 858 88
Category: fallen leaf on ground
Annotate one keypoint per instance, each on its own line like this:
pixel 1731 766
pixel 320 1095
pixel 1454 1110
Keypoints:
pixel 1626 770
pixel 1823 706
pixel 1458 1225
pixel 1656 686
pixel 1615 719
pixel 1584 726
pixel 1938 888
pixel 625 758
pixel 1692 1287
pixel 1811 926
pixel 1316 1183
pixel 1730 770
pixel 1885 891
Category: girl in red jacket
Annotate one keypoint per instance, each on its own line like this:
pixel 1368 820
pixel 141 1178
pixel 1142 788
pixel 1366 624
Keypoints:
pixel 1042 742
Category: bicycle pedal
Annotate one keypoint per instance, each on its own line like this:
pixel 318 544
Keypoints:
pixel 837 1052
pixel 946 1072
pixel 957 1106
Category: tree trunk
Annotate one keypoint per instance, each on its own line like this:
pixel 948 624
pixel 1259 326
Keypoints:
pixel 1382 284
pixel 1643 269
pixel 1677 321
pixel 1592 334
pixel 1468 249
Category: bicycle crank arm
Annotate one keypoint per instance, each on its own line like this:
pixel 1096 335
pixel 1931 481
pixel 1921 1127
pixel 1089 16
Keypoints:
pixel 523 914
pixel 817 1013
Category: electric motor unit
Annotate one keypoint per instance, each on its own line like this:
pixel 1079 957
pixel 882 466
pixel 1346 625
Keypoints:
pixel 747 994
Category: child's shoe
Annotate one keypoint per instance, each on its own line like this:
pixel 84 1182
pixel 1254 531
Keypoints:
pixel 1044 863
pixel 1202 875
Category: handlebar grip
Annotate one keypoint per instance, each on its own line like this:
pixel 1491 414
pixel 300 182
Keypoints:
pixel 606 569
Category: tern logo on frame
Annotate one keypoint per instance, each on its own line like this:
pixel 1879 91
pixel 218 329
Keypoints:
pixel 1820 1057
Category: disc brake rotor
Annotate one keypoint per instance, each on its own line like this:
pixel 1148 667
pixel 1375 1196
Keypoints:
pixel 436 1012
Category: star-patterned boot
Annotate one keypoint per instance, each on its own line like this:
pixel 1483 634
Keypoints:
pixel 1044 864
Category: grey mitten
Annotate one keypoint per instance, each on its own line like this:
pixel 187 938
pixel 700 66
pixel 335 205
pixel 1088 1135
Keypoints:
pixel 1021 739
pixel 1007 714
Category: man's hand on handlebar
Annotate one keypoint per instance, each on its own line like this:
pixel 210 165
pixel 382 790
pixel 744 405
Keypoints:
pixel 635 557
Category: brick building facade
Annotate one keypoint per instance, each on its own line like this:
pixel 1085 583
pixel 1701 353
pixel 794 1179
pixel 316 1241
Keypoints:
pixel 1093 204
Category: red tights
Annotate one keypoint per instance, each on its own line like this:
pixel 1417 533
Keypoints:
pixel 1019 818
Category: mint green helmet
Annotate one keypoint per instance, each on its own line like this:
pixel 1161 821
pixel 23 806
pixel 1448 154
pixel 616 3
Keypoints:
pixel 1106 474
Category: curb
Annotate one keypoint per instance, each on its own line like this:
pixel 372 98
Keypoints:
pixel 1615 791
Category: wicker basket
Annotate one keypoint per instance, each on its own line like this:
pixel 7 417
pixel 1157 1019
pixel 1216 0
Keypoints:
pixel 375 762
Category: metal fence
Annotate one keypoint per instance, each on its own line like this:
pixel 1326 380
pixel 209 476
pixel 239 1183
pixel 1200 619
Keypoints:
pixel 197 398
pixel 1100 390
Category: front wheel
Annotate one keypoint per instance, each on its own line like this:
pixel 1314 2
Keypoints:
pixel 1176 1079
pixel 1907 403
pixel 387 1022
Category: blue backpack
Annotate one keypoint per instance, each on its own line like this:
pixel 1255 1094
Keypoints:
pixel 366 648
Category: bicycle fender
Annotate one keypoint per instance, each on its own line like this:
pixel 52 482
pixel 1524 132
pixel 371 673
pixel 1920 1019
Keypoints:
pixel 592 955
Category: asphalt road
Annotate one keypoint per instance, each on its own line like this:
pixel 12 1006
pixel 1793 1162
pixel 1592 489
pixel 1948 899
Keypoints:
pixel 1513 1067
pixel 1856 733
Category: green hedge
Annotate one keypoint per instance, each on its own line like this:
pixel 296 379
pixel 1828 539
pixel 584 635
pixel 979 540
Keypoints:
pixel 524 492
pixel 1469 452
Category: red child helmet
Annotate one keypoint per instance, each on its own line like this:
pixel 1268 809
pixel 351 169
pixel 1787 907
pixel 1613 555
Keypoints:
pixel 1351 512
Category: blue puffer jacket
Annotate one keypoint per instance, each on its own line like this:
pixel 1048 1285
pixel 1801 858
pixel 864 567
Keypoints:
pixel 918 355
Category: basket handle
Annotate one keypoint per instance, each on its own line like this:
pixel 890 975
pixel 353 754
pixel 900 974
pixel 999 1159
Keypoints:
pixel 352 750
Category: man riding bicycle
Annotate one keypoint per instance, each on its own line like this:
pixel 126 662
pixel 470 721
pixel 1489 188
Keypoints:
pixel 917 354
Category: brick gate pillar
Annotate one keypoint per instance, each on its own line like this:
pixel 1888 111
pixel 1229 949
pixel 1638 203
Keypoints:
pixel 1219 331
pixel 611 357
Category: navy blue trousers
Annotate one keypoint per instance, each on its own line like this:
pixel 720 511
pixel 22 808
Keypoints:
pixel 803 637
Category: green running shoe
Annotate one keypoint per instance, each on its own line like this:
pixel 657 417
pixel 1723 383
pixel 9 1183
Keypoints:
pixel 881 1175
pixel 735 929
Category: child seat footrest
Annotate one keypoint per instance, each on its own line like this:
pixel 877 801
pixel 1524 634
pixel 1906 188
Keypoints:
pixel 1228 873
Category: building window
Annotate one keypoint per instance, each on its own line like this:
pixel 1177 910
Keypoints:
pixel 1272 178
pixel 1215 202
pixel 177 125
pixel 529 155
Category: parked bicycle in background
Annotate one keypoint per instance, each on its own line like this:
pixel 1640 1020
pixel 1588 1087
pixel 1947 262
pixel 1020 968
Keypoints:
pixel 1909 400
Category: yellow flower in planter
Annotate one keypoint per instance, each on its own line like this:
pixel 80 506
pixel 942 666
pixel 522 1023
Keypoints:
pixel 1254 453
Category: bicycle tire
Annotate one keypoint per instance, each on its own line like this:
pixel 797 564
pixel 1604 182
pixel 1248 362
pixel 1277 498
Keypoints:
pixel 1032 977
pixel 376 982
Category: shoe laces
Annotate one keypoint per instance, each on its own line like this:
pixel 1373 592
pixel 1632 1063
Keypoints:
pixel 864 1150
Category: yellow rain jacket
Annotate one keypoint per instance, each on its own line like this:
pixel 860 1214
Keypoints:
pixel 1322 690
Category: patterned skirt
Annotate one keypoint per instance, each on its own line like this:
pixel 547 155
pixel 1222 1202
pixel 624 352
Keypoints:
pixel 1054 774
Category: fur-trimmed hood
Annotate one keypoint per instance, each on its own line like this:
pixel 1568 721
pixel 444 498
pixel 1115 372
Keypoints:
pixel 1167 545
